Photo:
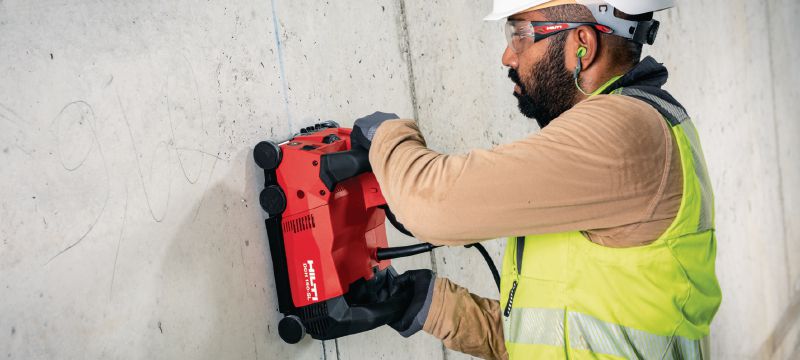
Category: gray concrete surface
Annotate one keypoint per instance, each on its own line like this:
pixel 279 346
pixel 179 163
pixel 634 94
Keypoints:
pixel 128 217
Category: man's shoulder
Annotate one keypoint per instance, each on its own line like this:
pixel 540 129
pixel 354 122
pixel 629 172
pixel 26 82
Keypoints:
pixel 632 125
pixel 624 108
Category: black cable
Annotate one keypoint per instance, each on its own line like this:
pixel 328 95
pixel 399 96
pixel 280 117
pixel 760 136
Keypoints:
pixel 489 262
pixel 402 251
pixel 392 219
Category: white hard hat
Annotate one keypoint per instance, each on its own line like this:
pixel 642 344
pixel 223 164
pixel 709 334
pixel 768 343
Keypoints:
pixel 641 32
pixel 505 8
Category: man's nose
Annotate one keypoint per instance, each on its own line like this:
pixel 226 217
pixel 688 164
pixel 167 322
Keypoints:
pixel 510 58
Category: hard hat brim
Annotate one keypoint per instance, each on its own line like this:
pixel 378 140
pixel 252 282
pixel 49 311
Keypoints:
pixel 636 7
pixel 504 14
pixel 632 7
pixel 536 5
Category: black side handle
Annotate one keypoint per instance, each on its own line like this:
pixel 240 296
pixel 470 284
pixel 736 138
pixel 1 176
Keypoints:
pixel 340 166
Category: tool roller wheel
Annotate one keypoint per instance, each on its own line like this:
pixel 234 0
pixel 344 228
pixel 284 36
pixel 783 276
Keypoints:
pixel 291 329
pixel 273 200
pixel 267 155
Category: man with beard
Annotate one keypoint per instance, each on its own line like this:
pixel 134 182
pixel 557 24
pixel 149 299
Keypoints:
pixel 608 208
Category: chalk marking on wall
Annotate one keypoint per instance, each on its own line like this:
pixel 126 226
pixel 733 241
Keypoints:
pixel 82 112
pixel 139 165
pixel 20 148
pixel 216 156
pixel 172 123
pixel 255 345
pixel 15 116
pixel 241 257
pixel 163 147
pixel 15 120
pixel 96 140
pixel 119 243
pixel 178 152
pixel 284 81
pixel 205 191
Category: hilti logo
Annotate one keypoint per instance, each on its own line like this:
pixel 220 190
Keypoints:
pixel 546 29
pixel 311 280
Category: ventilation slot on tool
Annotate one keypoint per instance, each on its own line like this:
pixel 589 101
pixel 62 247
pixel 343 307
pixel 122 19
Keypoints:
pixel 315 318
pixel 300 224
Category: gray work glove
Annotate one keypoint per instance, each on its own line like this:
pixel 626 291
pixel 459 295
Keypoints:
pixel 364 128
pixel 420 284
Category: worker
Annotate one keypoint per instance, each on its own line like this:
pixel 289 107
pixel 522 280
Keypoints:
pixel 608 209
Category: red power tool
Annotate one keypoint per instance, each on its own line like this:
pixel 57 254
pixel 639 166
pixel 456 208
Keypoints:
pixel 327 236
pixel 325 229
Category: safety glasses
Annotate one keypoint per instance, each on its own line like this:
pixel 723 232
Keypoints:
pixel 521 34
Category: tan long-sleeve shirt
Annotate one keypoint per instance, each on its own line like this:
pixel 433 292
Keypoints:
pixel 608 167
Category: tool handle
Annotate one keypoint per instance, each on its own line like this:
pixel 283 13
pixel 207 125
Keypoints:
pixel 339 166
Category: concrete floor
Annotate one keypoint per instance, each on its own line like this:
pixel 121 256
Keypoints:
pixel 129 218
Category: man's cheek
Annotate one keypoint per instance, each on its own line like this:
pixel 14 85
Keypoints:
pixel 525 75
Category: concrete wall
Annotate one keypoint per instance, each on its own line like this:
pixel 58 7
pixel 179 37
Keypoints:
pixel 128 216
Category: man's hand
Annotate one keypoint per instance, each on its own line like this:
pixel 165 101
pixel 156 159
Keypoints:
pixel 364 128
pixel 420 284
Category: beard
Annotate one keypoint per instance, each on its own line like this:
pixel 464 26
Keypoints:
pixel 549 90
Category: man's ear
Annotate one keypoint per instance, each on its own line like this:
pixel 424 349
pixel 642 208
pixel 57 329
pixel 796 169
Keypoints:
pixel 583 37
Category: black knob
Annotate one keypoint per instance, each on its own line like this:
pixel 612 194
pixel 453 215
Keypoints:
pixel 267 155
pixel 330 139
pixel 329 124
pixel 291 329
pixel 272 200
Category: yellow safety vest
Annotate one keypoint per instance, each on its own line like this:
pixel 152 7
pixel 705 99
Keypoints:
pixel 566 297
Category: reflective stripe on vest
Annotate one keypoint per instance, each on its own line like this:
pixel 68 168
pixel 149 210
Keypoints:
pixel 546 327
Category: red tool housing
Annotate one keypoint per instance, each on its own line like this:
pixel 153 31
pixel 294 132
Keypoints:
pixel 330 236
pixel 326 222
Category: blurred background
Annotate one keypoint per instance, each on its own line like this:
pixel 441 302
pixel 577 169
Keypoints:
pixel 129 217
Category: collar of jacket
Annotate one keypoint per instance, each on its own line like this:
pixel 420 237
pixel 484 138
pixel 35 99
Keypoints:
pixel 648 72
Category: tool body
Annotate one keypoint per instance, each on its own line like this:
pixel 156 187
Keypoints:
pixel 325 225
pixel 327 236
